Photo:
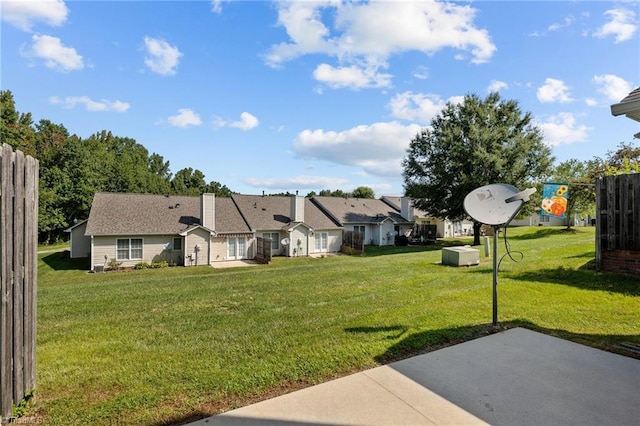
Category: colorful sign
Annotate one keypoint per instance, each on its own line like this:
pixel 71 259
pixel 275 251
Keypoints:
pixel 555 197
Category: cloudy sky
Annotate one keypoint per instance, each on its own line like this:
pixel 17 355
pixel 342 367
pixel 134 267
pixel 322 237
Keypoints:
pixel 286 96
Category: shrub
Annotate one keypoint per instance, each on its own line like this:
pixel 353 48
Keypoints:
pixel 113 265
pixel 141 265
pixel 159 264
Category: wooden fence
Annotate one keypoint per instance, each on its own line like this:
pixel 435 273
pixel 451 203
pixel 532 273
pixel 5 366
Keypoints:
pixel 618 223
pixel 18 277
pixel 263 250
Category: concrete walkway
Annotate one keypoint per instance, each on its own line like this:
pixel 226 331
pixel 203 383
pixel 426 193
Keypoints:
pixel 516 377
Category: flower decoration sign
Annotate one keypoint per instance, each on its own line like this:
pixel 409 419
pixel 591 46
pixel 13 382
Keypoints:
pixel 555 197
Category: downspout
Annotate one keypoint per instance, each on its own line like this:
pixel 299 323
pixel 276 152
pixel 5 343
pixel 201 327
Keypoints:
pixel 93 269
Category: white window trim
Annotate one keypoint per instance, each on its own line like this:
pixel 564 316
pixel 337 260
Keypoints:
pixel 276 239
pixel 129 257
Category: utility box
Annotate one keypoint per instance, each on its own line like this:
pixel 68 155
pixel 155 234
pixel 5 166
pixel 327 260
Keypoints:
pixel 460 256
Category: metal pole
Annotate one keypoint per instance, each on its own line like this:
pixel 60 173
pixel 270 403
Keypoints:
pixel 495 276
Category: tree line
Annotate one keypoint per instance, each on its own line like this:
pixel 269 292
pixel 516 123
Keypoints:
pixel 73 169
pixel 467 145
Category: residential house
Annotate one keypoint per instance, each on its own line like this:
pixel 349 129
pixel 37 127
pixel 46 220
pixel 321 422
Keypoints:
pixel 295 225
pixel 80 246
pixel 444 228
pixel 377 220
pixel 182 230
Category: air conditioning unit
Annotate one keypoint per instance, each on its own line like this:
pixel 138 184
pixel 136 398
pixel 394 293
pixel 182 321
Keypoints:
pixel 460 256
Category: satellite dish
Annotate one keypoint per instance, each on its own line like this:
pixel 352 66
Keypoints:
pixel 495 204
pixel 285 241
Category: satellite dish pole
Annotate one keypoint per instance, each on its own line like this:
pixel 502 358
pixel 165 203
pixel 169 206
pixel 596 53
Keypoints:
pixel 495 205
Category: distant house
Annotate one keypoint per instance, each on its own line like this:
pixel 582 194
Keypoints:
pixel 377 220
pixel 182 230
pixel 132 228
pixel 80 246
pixel 445 228
pixel 295 225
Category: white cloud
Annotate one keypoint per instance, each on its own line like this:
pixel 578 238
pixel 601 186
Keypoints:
pixel 422 73
pixel 216 6
pixel 554 90
pixel 296 182
pixel 416 107
pixel 90 105
pixel 55 55
pixel 496 86
pixel 563 129
pixel 621 25
pixel 162 58
pixel 351 77
pixel 378 149
pixel 370 32
pixel 25 14
pixel 591 102
pixel 186 117
pixel 613 87
pixel 247 122
pixel 566 23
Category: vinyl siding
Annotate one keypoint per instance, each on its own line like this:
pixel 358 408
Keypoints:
pixel 153 250
pixel 80 246
pixel 197 237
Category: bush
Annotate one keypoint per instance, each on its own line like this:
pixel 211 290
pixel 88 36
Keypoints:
pixel 160 264
pixel 113 265
pixel 141 265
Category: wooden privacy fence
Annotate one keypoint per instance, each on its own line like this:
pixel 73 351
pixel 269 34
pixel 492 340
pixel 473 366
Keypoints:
pixel 618 223
pixel 18 278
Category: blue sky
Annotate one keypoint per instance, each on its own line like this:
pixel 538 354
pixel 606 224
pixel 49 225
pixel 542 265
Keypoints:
pixel 286 96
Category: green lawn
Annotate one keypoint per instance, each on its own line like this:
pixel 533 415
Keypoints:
pixel 170 345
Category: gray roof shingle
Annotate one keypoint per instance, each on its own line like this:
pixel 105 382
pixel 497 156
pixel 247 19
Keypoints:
pixel 359 210
pixel 147 214
pixel 273 212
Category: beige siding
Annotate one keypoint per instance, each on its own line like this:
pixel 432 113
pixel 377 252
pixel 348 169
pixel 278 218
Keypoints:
pixel 153 250
pixel 299 242
pixel 387 236
pixel 80 246
pixel 218 249
pixel 193 256
pixel 334 241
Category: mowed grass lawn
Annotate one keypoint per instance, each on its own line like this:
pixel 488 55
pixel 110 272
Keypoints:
pixel 167 346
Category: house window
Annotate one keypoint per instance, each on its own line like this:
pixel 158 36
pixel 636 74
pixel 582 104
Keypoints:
pixel 129 248
pixel 359 228
pixel 177 244
pixel 321 239
pixel 275 239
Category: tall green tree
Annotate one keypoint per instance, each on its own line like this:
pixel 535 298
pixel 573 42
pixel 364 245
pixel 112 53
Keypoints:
pixel 472 144
pixel 219 189
pixel 363 192
pixel 15 127
pixel 188 182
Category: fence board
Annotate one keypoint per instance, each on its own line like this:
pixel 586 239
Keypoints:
pixel 618 215
pixel 18 263
pixel 18 277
